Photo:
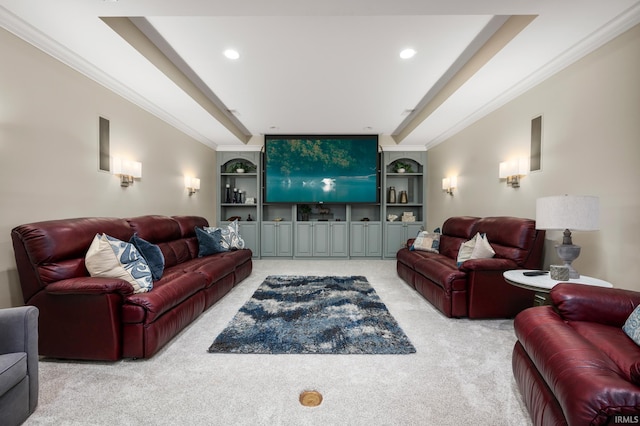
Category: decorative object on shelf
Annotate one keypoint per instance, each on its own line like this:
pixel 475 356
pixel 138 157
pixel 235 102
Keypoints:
pixel 391 199
pixel 449 184
pixel 240 197
pixel 227 194
pixel 512 171
pixel 234 200
pixel 364 219
pixel 278 219
pixel 249 218
pixel 192 184
pixel 232 218
pixel 392 217
pixel 404 199
pixel 408 217
pixel 323 211
pixel 304 210
pixel 559 272
pixel 565 212
pixel 250 200
pixel 239 167
pixel 402 167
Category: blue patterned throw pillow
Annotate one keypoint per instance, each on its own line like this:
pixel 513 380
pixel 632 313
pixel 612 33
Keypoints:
pixel 152 254
pixel 112 258
pixel 209 242
pixel 632 326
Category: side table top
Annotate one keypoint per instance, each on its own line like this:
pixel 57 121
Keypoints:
pixel 544 283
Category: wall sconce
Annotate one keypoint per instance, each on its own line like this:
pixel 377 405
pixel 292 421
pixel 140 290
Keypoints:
pixel 449 184
pixel 192 184
pixel 513 170
pixel 127 170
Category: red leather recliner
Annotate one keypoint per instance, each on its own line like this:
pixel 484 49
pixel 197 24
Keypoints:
pixel 92 318
pixel 477 288
pixel 573 363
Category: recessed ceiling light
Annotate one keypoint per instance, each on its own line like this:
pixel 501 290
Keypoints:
pixel 407 53
pixel 231 54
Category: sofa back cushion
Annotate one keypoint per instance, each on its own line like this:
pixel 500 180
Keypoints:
pixel 455 231
pixel 512 238
pixel 175 235
pixel 55 250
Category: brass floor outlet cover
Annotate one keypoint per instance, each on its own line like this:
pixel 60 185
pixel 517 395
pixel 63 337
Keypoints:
pixel 310 398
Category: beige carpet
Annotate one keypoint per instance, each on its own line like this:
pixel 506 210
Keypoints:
pixel 460 375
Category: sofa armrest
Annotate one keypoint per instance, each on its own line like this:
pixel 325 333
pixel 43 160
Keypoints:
pixel 492 264
pixel 89 285
pixel 579 302
pixel 19 331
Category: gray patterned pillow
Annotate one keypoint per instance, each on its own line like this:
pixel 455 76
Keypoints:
pixel 231 239
pixel 632 326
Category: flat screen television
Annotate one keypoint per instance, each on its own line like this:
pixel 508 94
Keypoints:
pixel 321 169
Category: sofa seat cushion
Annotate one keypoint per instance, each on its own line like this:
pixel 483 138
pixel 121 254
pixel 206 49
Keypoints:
pixel 410 258
pixel 614 343
pixel 588 385
pixel 13 368
pixel 442 271
pixel 212 267
pixel 168 292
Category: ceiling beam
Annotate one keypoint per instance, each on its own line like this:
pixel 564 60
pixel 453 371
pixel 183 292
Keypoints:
pixel 507 32
pixel 139 41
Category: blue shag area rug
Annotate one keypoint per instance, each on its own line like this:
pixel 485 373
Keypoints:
pixel 313 315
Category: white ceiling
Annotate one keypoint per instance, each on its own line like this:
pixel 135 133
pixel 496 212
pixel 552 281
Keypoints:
pixel 317 67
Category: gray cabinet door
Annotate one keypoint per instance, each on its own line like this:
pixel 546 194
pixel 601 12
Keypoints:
pixel 249 233
pixel 374 239
pixel 397 234
pixel 358 239
pixel 284 239
pixel 276 239
pixel 321 239
pixel 339 237
pixel 304 239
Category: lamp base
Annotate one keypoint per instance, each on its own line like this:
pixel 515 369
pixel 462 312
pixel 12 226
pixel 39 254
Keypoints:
pixel 568 253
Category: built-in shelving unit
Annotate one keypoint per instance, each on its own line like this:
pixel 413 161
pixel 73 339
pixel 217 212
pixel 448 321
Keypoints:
pixel 323 230
pixel 404 198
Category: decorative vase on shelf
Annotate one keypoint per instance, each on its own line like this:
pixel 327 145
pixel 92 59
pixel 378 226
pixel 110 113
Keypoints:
pixel 227 194
pixel 403 197
pixel 239 170
pixel 401 170
pixel 391 199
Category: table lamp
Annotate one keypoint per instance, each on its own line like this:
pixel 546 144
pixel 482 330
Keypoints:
pixel 568 212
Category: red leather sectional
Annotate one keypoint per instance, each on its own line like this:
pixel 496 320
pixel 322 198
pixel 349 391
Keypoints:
pixel 477 288
pixel 90 318
pixel 573 363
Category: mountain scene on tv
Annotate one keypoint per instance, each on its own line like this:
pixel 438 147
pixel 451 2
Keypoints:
pixel 321 170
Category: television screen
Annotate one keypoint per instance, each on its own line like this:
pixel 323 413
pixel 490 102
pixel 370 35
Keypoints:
pixel 321 169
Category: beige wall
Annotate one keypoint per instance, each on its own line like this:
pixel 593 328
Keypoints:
pixel 591 146
pixel 49 153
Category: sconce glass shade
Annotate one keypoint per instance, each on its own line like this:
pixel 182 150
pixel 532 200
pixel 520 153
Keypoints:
pixel 516 167
pixel 567 212
pixel 449 184
pixel 192 184
pixel 126 169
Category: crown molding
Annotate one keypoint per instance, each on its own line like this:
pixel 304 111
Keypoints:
pixel 595 40
pixel 39 40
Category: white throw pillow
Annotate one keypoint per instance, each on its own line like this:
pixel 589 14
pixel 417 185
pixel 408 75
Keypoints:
pixel 111 258
pixel 476 248
pixel 482 249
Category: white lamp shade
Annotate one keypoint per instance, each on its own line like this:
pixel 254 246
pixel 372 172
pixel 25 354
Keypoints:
pixel 573 212
pixel 120 166
pixel 191 182
pixel 516 167
pixel 445 184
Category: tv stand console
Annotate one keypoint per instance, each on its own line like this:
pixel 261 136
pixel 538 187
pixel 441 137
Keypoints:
pixel 323 231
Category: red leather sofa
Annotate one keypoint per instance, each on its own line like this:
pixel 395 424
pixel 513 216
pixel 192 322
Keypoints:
pixel 477 288
pixel 573 363
pixel 91 318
